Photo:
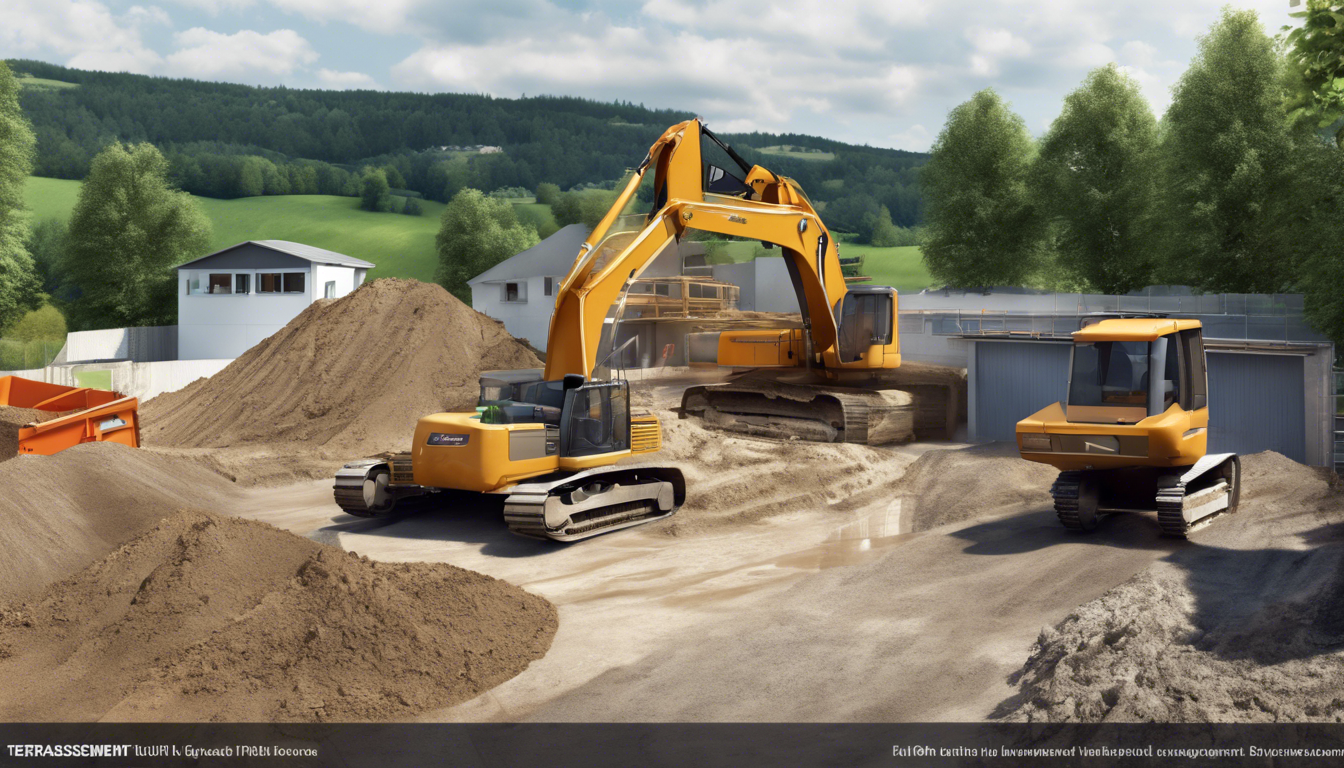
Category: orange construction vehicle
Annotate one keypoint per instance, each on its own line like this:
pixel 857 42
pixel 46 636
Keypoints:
pixel 98 415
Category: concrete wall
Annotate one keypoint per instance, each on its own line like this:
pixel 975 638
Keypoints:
pixel 344 278
pixel 142 380
pixel 137 344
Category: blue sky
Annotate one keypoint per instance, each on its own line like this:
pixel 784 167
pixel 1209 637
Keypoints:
pixel 880 72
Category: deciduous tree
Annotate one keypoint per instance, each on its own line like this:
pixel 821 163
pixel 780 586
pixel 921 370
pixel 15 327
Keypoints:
pixel 1096 181
pixel 982 226
pixel 129 228
pixel 476 233
pixel 20 287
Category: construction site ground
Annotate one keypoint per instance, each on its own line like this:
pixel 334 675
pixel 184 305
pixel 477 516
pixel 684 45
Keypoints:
pixel 801 581
pixel 810 582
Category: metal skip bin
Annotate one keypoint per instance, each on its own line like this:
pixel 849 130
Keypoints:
pixel 97 415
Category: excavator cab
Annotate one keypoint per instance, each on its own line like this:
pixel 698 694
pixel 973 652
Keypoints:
pixel 1133 433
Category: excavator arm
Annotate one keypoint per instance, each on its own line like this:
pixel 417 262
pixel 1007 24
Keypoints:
pixel 761 206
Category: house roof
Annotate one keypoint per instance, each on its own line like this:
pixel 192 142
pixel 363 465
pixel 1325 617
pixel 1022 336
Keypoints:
pixel 307 252
pixel 553 256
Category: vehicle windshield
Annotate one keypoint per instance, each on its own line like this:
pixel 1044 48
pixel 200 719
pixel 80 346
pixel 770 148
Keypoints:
pixel 1110 373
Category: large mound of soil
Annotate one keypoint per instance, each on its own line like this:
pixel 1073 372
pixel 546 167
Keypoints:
pixel 948 486
pixel 1212 634
pixel 351 375
pixel 213 618
pixel 60 513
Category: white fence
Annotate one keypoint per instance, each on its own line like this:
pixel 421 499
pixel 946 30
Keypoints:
pixel 142 380
pixel 141 345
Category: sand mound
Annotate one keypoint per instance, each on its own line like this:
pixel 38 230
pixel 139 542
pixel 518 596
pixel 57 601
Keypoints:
pixel 213 618
pixel 948 486
pixel 60 513
pixel 1212 634
pixel 351 376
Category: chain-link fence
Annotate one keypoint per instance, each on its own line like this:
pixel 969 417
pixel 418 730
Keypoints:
pixel 26 355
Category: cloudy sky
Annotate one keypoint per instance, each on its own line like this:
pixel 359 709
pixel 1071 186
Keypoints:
pixel 881 72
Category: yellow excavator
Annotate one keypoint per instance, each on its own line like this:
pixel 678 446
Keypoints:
pixel 550 440
pixel 1133 436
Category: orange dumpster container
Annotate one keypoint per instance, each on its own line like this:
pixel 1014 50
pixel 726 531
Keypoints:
pixel 100 415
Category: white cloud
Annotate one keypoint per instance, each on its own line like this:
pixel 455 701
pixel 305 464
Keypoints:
pixel 992 46
pixel 215 7
pixel 345 80
pixel 203 53
pixel 84 32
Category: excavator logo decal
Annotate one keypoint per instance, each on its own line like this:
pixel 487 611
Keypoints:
pixel 441 438
pixel 736 219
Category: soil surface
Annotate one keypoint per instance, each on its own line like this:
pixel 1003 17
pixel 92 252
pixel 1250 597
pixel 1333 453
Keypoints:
pixel 60 513
pixel 1236 629
pixel 348 377
pixel 206 617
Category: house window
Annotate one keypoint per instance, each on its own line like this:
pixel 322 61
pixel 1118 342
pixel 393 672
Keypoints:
pixel 241 283
pixel 268 282
pixel 549 287
pixel 221 283
pixel 662 289
pixel 330 291
pixel 510 291
pixel 294 282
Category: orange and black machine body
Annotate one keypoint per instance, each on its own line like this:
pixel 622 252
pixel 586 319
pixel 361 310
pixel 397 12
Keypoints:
pixel 91 415
pixel 550 440
pixel 1133 433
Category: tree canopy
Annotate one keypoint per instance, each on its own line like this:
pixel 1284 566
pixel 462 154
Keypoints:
pixel 1095 179
pixel 128 229
pixel 982 227
pixel 476 233
pixel 20 286
pixel 1226 152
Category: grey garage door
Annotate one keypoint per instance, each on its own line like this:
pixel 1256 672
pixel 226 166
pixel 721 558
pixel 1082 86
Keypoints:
pixel 1256 403
pixel 1014 379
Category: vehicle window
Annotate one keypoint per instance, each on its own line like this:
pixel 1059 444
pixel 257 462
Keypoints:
pixel 1110 373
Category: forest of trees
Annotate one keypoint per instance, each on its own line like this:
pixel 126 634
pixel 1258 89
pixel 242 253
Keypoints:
pixel 224 140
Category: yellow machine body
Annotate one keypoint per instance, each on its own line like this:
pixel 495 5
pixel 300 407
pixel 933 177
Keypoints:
pixel 1119 432
pixel 486 457
pixel 1133 434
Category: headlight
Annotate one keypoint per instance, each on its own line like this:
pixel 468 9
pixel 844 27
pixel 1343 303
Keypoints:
pixel 1036 443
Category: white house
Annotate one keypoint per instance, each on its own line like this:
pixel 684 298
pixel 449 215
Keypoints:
pixel 232 299
pixel 520 291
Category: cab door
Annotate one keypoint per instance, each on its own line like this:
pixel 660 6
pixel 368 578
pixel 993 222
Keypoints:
pixel 595 419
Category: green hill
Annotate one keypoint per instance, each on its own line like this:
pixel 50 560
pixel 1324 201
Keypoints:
pixel 401 246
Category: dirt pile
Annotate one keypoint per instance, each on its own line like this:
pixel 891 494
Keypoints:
pixel 60 513
pixel 948 486
pixel 349 376
pixel 1212 633
pixel 213 618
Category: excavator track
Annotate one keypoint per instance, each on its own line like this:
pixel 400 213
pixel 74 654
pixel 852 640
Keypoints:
pixel 596 501
pixel 765 408
pixel 1189 502
pixel 1065 491
pixel 1184 502
pixel 376 487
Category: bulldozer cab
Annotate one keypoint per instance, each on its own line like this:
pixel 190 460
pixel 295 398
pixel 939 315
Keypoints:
pixel 1117 376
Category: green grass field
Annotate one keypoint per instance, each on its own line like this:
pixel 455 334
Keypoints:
pixel 38 82
pixel 401 246
pixel 901 268
pixel 796 152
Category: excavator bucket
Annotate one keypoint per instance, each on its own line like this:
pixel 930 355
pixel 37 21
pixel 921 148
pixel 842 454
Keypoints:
pixel 98 415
